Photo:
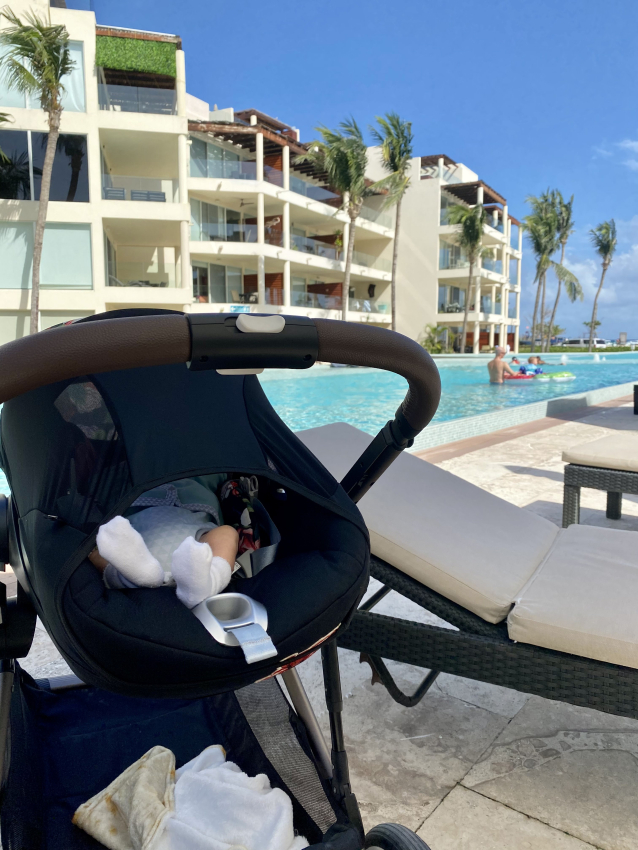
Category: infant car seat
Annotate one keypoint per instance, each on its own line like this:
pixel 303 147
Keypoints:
pixel 79 451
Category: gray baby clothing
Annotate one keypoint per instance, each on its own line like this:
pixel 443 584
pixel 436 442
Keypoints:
pixel 165 517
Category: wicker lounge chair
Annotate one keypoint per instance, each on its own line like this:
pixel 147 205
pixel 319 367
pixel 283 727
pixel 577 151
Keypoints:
pixel 610 464
pixel 533 607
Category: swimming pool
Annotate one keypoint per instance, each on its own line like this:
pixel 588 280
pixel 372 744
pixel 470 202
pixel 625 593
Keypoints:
pixel 367 398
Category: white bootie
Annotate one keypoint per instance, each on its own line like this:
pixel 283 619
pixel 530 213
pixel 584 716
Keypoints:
pixel 198 573
pixel 123 547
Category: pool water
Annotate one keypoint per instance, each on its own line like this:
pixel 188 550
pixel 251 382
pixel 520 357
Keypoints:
pixel 367 398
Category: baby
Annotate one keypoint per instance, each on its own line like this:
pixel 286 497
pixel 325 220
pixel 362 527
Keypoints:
pixel 172 536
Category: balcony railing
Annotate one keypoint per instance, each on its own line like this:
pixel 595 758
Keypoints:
pixel 273 175
pixel 378 263
pixel 117 187
pixel 488 307
pixel 243 169
pixel 234 232
pixel 493 265
pixel 365 305
pixel 316 193
pixel 498 226
pixel 314 246
pixel 136 99
pixel 377 216
pixel 144 275
pixel 514 237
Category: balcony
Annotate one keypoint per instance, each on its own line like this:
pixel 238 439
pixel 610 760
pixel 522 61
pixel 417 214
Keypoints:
pixel 115 98
pixel 379 217
pixel 242 169
pixel 314 246
pixel 378 263
pixel 117 187
pixel 365 305
pixel 153 275
pixel 273 175
pixel 495 266
pixel 498 226
pixel 452 258
pixel 514 237
pixel 309 190
pixel 234 232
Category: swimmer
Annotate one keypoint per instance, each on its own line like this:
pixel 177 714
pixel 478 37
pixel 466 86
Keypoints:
pixel 498 367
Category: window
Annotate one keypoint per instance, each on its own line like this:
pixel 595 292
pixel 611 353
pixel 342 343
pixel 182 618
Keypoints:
pixel 70 180
pixel 73 98
pixel 66 256
pixel 200 284
pixel 209 160
pixel 15 179
pixel 217 284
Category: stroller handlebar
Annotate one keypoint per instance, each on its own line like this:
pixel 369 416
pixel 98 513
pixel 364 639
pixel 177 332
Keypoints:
pixel 124 343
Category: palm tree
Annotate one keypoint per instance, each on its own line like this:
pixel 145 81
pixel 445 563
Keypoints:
pixel 565 228
pixel 542 228
pixel 395 138
pixel 470 222
pixel 74 148
pixel 343 156
pixel 36 58
pixel 604 241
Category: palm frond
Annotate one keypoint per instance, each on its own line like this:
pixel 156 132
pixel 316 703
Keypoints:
pixel 604 240
pixel 572 284
pixel 470 222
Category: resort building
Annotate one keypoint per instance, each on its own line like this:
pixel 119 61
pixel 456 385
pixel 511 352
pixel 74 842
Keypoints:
pixel 157 201
pixel 432 271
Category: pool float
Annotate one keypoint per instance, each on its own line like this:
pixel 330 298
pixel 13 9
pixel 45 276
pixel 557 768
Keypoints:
pixel 517 377
pixel 555 376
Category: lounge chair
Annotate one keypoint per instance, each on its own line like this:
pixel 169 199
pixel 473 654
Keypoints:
pixel 540 609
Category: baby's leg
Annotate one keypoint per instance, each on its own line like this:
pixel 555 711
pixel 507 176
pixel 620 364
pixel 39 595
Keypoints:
pixel 204 569
pixel 123 547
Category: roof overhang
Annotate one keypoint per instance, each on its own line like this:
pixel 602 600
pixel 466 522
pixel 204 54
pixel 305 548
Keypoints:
pixel 468 193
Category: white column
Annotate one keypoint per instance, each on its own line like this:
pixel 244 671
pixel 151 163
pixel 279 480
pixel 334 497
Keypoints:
pixel 259 155
pixel 286 226
pixel 185 254
pixel 286 169
pixel 506 224
pixel 180 83
pixel 504 309
pixel 441 167
pixel 287 283
pixel 491 340
pixel 479 195
pixel 493 298
pixel 477 337
pixel 520 239
pixel 183 155
pixel 261 235
pixel 344 249
pixel 261 280
pixel 517 329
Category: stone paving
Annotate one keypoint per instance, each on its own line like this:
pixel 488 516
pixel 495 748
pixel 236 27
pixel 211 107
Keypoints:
pixel 475 766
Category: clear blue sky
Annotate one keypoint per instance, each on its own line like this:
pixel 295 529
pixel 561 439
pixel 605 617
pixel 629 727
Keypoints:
pixel 528 94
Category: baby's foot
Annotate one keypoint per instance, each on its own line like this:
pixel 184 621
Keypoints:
pixel 197 573
pixel 123 547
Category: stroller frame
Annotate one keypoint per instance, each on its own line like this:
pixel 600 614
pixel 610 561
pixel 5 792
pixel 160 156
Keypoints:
pixel 207 342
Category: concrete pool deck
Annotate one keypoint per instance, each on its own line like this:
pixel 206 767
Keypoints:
pixel 475 766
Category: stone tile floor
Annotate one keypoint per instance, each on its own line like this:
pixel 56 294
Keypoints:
pixel 475 766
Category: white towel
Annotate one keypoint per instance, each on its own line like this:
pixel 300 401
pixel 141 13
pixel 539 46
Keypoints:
pixel 216 807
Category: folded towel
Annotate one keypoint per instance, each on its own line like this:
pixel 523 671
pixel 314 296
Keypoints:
pixel 209 804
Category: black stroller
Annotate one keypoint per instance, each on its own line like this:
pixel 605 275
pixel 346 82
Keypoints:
pixel 146 671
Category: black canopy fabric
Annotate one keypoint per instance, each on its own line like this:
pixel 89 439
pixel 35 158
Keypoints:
pixel 79 452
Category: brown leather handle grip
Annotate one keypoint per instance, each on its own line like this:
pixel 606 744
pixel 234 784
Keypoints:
pixel 126 343
pixel 363 345
pixel 81 349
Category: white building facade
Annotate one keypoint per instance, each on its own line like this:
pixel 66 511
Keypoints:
pixel 158 202
pixel 432 272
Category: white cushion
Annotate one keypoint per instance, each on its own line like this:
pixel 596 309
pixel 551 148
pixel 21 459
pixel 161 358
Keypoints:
pixel 618 451
pixel 584 597
pixel 457 539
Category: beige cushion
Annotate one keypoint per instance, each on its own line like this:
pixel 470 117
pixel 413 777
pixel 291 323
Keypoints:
pixel 584 597
pixel 619 451
pixel 457 539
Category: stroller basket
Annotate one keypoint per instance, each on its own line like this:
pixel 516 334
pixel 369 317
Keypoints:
pixel 98 413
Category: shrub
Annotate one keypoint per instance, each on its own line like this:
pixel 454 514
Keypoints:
pixel 135 54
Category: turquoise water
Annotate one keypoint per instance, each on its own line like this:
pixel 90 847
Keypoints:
pixel 367 398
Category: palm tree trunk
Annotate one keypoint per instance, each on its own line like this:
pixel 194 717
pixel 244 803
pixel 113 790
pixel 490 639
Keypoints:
pixel 45 189
pixel 395 255
pixel 553 318
pixel 346 283
pixel 592 327
pixel 544 280
pixel 468 295
pixel 538 295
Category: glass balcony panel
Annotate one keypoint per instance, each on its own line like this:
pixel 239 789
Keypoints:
pixel 452 258
pixel 215 231
pixel 136 99
pixel 493 265
pixel 273 175
pixel 367 305
pixel 451 299
pixel 318 300
pixel 371 262
pixel 118 187
pixel 313 246
pixel 377 216
pixel 153 275
pixel 240 169
pixel 316 193
pixel 514 236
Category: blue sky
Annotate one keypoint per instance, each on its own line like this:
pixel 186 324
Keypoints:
pixel 528 94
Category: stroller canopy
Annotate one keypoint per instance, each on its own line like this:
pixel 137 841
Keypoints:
pixel 78 452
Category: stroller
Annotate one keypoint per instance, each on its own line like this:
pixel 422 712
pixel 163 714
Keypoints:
pixel 96 413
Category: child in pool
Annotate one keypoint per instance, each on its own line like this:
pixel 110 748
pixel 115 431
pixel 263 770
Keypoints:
pixel 171 536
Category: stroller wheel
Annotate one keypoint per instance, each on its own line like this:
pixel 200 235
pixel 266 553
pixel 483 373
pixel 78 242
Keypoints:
pixel 393 836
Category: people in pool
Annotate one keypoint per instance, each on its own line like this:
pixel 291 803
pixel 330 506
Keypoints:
pixel 498 368
pixel 533 366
